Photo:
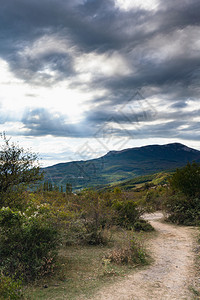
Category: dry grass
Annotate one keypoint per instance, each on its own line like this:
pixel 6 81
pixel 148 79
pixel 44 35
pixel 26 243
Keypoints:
pixel 82 270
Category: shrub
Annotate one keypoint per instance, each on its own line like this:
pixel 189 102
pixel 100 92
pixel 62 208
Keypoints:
pixel 18 168
pixel 127 213
pixel 95 216
pixel 183 202
pixel 75 233
pixel 96 235
pixel 10 288
pixel 80 232
pixel 153 199
pixel 134 254
pixel 187 180
pixel 27 245
pixel 182 210
pixel 142 225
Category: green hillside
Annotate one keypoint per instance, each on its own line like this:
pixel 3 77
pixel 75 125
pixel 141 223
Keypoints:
pixel 137 182
pixel 118 166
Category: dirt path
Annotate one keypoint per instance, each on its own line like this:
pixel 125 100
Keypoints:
pixel 169 276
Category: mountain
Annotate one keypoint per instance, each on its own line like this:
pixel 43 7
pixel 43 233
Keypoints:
pixel 117 166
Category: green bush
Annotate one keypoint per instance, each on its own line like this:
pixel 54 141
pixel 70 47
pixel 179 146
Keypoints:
pixel 95 235
pixel 187 180
pixel 142 225
pixel 153 199
pixel 82 233
pixel 95 216
pixel 10 288
pixel 182 210
pixel 18 169
pixel 183 201
pixel 127 213
pixel 75 233
pixel 27 245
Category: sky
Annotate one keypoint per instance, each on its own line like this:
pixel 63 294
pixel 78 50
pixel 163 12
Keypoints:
pixel 81 78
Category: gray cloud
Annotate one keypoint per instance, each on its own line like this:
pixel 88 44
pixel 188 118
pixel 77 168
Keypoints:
pixel 41 40
pixel 41 122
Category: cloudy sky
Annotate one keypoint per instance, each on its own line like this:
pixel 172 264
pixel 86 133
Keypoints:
pixel 79 78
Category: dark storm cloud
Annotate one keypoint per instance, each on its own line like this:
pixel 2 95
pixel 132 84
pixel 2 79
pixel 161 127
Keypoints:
pixel 173 129
pixel 41 40
pixel 179 104
pixel 95 25
pixel 41 122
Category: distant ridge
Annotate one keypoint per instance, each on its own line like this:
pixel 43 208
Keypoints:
pixel 116 166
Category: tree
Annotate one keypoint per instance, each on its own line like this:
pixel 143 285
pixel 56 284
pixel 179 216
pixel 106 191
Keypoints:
pixel 18 167
pixel 68 188
pixel 183 202
pixel 187 180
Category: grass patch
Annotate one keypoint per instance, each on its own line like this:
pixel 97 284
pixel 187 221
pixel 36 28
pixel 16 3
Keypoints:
pixel 195 292
pixel 195 288
pixel 82 270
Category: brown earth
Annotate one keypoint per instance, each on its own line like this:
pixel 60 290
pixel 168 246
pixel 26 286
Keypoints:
pixel 172 272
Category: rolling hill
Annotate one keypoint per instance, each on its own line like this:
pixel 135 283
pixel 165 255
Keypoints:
pixel 117 166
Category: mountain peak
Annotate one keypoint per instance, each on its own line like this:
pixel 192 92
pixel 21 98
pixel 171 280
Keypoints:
pixel 172 146
pixel 120 165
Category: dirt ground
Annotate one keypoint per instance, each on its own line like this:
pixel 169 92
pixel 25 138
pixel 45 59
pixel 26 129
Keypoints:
pixel 172 272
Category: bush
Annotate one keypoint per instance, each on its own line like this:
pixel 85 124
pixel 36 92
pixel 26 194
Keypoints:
pixel 182 210
pixel 187 180
pixel 82 233
pixel 127 213
pixel 142 225
pixel 183 201
pixel 134 254
pixel 10 288
pixel 27 245
pixel 95 235
pixel 153 199
pixel 95 216
pixel 75 233
pixel 18 168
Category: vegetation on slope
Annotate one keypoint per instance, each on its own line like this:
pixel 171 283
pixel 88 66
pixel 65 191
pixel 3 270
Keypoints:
pixel 48 236
pixel 117 166
pixel 36 226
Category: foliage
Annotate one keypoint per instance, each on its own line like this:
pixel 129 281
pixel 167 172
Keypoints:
pixel 18 167
pixel 108 269
pixel 115 167
pixel 142 225
pixel 81 233
pixel 75 234
pixel 153 198
pixel 134 254
pixel 143 182
pixel 183 201
pixel 10 288
pixel 127 213
pixel 68 188
pixel 187 180
pixel 183 210
pixel 27 244
pixel 95 216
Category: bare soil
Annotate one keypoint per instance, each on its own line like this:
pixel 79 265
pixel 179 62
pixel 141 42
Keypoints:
pixel 172 272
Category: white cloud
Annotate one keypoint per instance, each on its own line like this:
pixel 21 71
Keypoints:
pixel 46 44
pixel 128 4
pixel 105 64
pixel 16 96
